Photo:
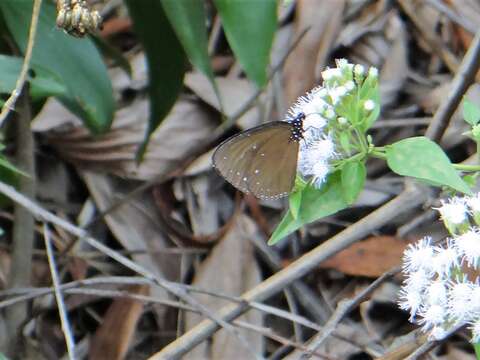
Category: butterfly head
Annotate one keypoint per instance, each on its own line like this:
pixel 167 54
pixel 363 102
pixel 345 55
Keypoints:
pixel 297 127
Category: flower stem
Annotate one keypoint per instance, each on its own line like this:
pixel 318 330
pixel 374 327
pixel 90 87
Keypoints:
pixel 465 167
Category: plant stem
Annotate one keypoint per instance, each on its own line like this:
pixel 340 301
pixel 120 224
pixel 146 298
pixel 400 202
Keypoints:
pixel 465 167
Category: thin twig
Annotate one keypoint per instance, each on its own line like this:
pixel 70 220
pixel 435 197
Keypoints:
pixel 345 307
pixel 463 79
pixel 10 103
pixel 58 295
pixel 31 293
pixel 429 345
pixel 410 198
pixel 181 293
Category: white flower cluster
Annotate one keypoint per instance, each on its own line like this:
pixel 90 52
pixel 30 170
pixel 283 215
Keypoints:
pixel 318 146
pixel 435 291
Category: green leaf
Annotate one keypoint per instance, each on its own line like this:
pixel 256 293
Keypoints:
pixel 75 61
pixel 165 57
pixel 315 204
pixel 421 158
pixel 294 201
pixel 471 113
pixel 6 165
pixel 43 83
pixel 249 26
pixel 187 18
pixel 353 179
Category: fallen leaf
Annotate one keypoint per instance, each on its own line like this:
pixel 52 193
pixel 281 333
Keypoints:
pixel 323 21
pixel 113 337
pixel 179 136
pixel 231 268
pixel 370 257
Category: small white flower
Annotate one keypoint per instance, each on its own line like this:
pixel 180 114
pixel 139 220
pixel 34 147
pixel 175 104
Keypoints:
pixel 431 317
pixel 475 329
pixel 459 300
pixel 417 256
pixel 475 301
pixel 359 70
pixel 350 85
pixel 337 93
pixel 454 211
pixel 474 202
pixel 329 114
pixel 410 300
pixel 331 74
pixel 418 280
pixel 445 259
pixel 343 63
pixel 319 172
pixel 369 105
pixel 468 245
pixel 373 72
pixel 438 333
pixel 436 293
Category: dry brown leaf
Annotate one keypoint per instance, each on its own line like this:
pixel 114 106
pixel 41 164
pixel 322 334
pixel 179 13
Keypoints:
pixel 113 337
pixel 186 127
pixel 234 93
pixel 324 20
pixel 370 257
pixel 231 268
pixel 135 227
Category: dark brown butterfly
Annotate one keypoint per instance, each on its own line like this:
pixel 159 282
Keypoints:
pixel 262 161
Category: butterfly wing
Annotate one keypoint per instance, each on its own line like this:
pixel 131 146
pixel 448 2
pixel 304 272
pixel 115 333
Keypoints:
pixel 261 161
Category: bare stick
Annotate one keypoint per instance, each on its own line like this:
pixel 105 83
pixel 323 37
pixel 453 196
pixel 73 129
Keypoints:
pixel 463 79
pixel 58 295
pixel 10 103
pixel 410 198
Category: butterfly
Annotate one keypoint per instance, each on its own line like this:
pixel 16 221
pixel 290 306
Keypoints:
pixel 262 161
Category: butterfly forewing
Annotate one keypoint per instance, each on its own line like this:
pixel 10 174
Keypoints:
pixel 261 161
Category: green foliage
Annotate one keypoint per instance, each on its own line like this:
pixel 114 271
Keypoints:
pixel 188 20
pixel 250 27
pixel 315 204
pixel 165 56
pixel 423 159
pixel 76 62
pixel 471 113
pixel 43 83
pixel 353 179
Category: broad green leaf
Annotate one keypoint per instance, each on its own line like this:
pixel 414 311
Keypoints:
pixel 42 82
pixel 315 205
pixel 421 158
pixel 188 20
pixel 75 61
pixel 249 26
pixel 165 57
pixel 471 112
pixel 353 179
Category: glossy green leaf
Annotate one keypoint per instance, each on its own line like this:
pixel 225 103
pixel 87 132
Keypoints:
pixel 187 18
pixel 471 112
pixel 165 57
pixel 422 158
pixel 75 61
pixel 250 26
pixel 315 205
pixel 353 179
pixel 42 82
